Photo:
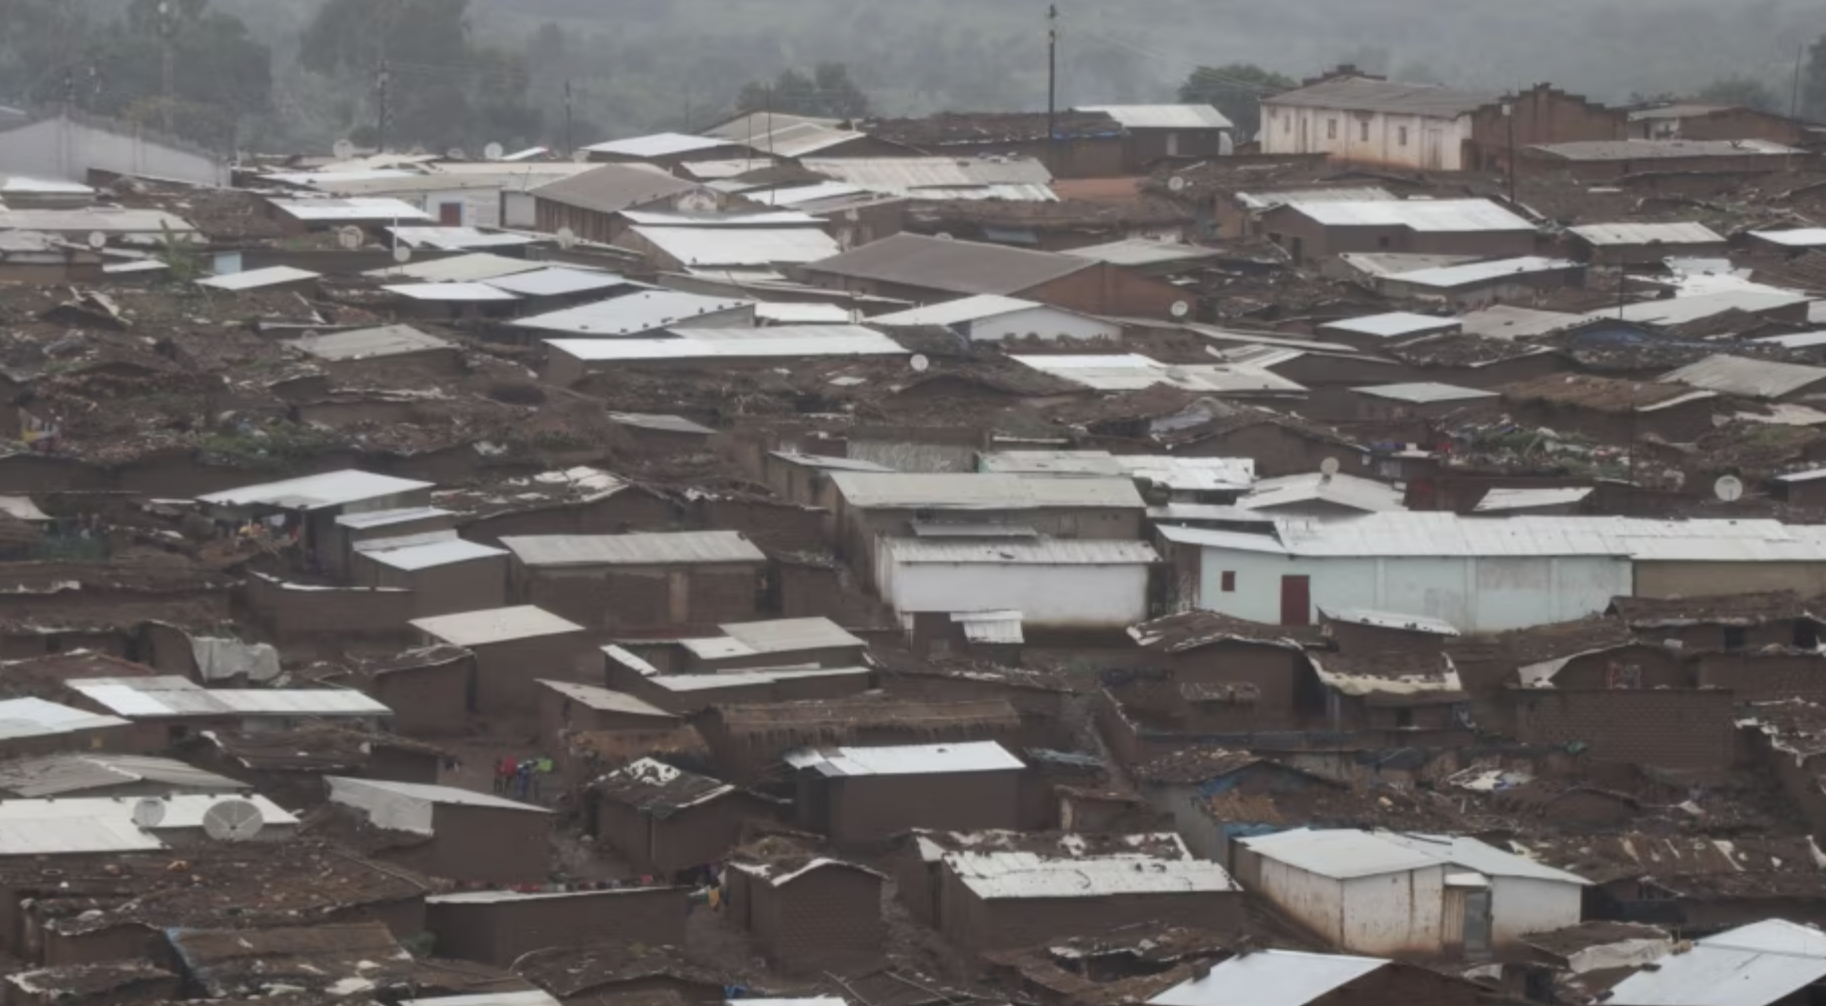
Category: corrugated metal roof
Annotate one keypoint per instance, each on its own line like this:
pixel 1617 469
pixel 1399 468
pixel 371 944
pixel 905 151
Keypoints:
pixel 907 759
pixel 1799 237
pixel 457 238
pixel 665 424
pixel 745 679
pixel 1500 500
pixel 80 222
pixel 776 219
pixel 1470 273
pixel 408 806
pixel 22 718
pixel 558 281
pixel 1796 340
pixel 1753 965
pixel 1425 391
pixel 784 313
pixel 1423 215
pixel 1644 150
pixel 1022 875
pixel 473 293
pixel 825 462
pixel 1446 534
pixel 1163 116
pixel 467 268
pixel 1392 325
pixel 614 187
pixel 1684 233
pixel 1746 377
pixel 994 627
pixel 1361 94
pixel 430 555
pixel 56 775
pixel 1357 194
pixel 1134 372
pixel 365 343
pixel 21 184
pixel 784 635
pixel 1680 310
pixel 533 998
pixel 604 699
pixel 382 518
pixel 963 267
pixel 1506 321
pixel 741 246
pixel 1347 853
pixel 800 194
pixel 297 702
pixel 1269 978
pixel 659 145
pixel 1390 620
pixel 497 625
pixel 1143 251
pixel 314 492
pixel 1179 473
pixel 633 314
pixel 69 834
pixel 254 279
pixel 738 344
pixel 954 312
pixel 1041 552
pixel 1341 489
pixel 959 491
pixel 652 549
pixel 352 208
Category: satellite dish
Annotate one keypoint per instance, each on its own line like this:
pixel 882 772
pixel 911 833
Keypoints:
pixel 1728 488
pixel 349 238
pixel 1180 309
pixel 456 154
pixel 232 821
pixel 567 238
pixel 493 151
pixel 697 202
pixel 1176 184
pixel 402 254
pixel 943 235
pixel 343 150
pixel 97 239
pixel 581 156
pixel 1329 466
pixel 919 363
pixel 148 813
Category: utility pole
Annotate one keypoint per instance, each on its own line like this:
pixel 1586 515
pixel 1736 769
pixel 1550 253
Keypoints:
pixel 1052 87
pixel 95 84
pixel 383 88
pixel 1794 96
pixel 69 89
pixel 569 141
pixel 170 63
pixel 1509 114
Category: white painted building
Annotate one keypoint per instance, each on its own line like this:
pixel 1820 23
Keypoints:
pixel 1388 892
pixel 70 148
pixel 1364 121
pixel 1052 582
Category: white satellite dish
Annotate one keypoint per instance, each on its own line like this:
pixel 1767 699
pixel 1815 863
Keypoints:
pixel 581 156
pixel 1176 184
pixel 343 150
pixel 1329 466
pixel 402 254
pixel 919 363
pixel 148 813
pixel 1728 488
pixel 456 154
pixel 349 238
pixel 233 821
pixel 1180 309
pixel 97 239
pixel 493 151
pixel 567 238
pixel 943 235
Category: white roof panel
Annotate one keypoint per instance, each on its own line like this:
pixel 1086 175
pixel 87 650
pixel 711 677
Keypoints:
pixel 1424 215
pixel 408 806
pixel 972 491
pixel 1799 237
pixel 738 344
pixel 458 238
pixel 1347 853
pixel 467 293
pixel 784 313
pixel 1143 251
pixel 471 268
pixel 741 246
pixel 994 875
pixel 908 759
pixel 953 312
pixel 632 314
pixel 314 492
pixel 382 518
pixel 1497 500
pixel 1134 372
pixel 368 343
pixel 254 279
pixel 429 555
pixel 1795 340
pixel 1393 324
pixel 1683 233
pixel 1682 309
pixel 1451 276
pixel 604 699
pixel 760 218
pixel 994 627
pixel 658 145
pixel 1163 116
pixel 534 998
pixel 1746 377
pixel 647 549
pixel 350 209
pixel 298 702
pixel 557 281
pixel 1753 965
pixel 1040 552
pixel 497 625
pixel 1425 392
pixel 1269 978
pixel 1363 494
pixel 740 679
pixel 22 718
pixel 107 219
pixel 786 635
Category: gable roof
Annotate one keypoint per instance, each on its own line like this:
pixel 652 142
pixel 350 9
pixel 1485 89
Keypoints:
pixel 1751 965
pixel 1269 978
pixel 1361 94
pixel 613 187
pixel 965 267
pixel 1346 853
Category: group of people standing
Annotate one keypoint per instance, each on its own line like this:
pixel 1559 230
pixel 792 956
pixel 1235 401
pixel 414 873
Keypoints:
pixel 521 778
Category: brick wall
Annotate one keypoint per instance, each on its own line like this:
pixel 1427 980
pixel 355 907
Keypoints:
pixel 1763 677
pixel 690 838
pixel 339 611
pixel 826 920
pixel 1658 668
pixel 426 701
pixel 498 932
pixel 866 808
pixel 1686 728
pixel 481 845
pixel 784 527
pixel 626 511
pixel 506 673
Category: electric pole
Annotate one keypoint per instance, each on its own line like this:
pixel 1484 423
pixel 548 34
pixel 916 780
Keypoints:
pixel 1509 114
pixel 570 146
pixel 170 64
pixel 69 89
pixel 1052 86
pixel 383 89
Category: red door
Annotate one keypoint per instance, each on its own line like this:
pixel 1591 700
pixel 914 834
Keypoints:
pixel 450 214
pixel 1296 600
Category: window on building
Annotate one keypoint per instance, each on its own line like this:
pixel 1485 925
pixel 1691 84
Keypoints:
pixel 1228 582
pixel 1331 129
pixel 1404 719
pixel 1363 128
pixel 1735 637
pixel 1401 136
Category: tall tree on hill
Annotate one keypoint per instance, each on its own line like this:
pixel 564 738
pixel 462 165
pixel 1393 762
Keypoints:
pixel 828 93
pixel 1236 90
pixel 1746 91
pixel 1813 81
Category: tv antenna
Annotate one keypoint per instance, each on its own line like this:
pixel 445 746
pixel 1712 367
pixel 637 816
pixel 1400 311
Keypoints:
pixel 233 821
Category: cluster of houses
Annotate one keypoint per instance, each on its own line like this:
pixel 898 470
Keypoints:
pixel 1084 560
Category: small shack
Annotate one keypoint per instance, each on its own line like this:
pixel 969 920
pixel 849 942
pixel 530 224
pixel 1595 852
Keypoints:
pixel 637 582
pixel 862 794
pixel 808 912
pixel 667 820
pixel 513 648
pixel 466 836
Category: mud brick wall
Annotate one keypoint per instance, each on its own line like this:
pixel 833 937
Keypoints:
pixel 1667 728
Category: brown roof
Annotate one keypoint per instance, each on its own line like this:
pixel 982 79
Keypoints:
pixel 1198 764
pixel 1461 351
pixel 568 972
pixel 957 128
pixel 1190 630
pixel 1546 642
pixel 863 719
pixel 229 962
pixel 613 187
pixel 1600 394
pixel 314 747
pixel 1688 864
pixel 1572 939
pixel 76 981
pixel 1717 609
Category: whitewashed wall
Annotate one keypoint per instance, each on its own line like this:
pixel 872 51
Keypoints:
pixel 1110 596
pixel 1523 905
pixel 68 149
pixel 1432 144
pixel 1317 902
pixel 1394 912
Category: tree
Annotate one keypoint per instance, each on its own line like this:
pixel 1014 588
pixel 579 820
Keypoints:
pixel 828 93
pixel 1813 81
pixel 1740 90
pixel 1235 90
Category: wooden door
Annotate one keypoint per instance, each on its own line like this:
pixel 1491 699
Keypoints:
pixel 1296 600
